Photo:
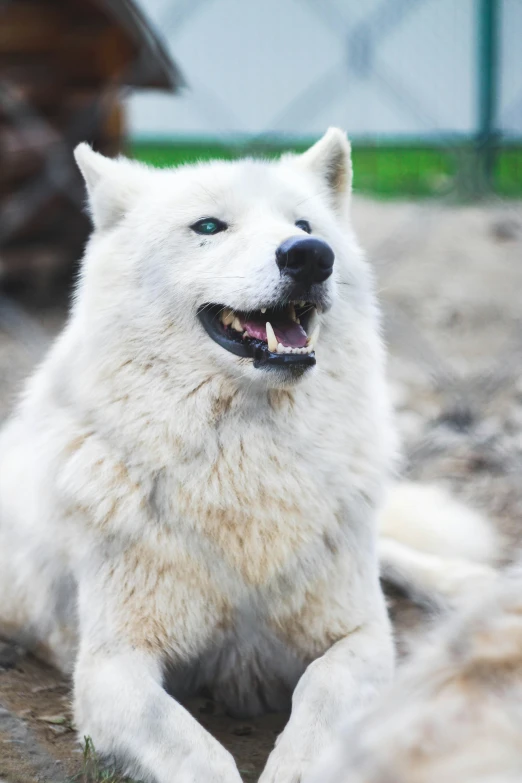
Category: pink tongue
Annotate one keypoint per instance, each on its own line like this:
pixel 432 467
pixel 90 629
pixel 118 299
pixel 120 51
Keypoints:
pixel 287 331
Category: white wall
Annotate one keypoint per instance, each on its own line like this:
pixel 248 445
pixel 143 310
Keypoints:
pixel 296 66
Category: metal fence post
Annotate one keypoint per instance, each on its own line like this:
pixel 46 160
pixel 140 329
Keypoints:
pixel 487 135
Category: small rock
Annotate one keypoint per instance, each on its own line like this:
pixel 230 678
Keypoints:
pixel 42 688
pixel 10 654
pixel 59 729
pixel 460 418
pixel 57 720
pixel 242 731
pixel 505 229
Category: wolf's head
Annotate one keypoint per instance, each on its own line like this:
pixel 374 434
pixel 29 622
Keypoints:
pixel 243 258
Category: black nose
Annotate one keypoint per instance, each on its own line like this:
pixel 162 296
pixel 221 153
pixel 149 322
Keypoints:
pixel 306 260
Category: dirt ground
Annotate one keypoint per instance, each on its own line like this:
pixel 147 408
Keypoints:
pixel 450 279
pixel 38 696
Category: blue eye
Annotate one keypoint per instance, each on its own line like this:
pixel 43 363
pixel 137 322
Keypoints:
pixel 208 226
pixel 304 225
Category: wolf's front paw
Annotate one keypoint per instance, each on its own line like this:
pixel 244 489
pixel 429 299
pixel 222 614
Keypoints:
pixel 288 764
pixel 207 765
pixel 283 771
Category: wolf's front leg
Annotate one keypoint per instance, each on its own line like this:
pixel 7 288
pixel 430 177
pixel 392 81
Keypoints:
pixel 120 703
pixel 335 688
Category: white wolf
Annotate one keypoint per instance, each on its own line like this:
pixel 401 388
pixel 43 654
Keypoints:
pixel 189 486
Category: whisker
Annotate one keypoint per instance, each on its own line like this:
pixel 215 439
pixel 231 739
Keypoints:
pixel 319 194
pixel 205 307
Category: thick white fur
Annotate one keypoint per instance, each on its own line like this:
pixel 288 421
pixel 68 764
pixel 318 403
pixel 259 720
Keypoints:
pixel 428 519
pixel 171 516
pixel 434 547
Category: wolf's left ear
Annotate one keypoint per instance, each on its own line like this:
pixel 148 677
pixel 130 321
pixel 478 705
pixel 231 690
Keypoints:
pixel 330 160
pixel 113 185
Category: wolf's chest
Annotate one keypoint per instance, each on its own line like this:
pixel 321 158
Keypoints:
pixel 259 505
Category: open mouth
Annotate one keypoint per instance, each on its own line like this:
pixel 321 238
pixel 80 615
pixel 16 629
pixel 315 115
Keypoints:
pixel 281 336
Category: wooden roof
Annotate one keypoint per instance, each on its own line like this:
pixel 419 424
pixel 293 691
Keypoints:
pixel 62 64
pixel 85 42
pixel 154 68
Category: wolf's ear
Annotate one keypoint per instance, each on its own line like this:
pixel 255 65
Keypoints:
pixel 330 160
pixel 113 185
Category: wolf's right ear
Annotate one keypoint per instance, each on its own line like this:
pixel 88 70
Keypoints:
pixel 113 185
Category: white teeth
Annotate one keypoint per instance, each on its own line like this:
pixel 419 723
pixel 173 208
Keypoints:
pixel 271 339
pixel 312 321
pixel 291 312
pixel 263 309
pixel 236 324
pixel 227 316
pixel 310 343
pixel 288 349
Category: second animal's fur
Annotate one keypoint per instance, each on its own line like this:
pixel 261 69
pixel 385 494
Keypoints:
pixel 455 711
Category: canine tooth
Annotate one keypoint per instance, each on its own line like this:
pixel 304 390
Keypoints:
pixel 227 316
pixel 271 338
pixel 312 321
pixel 291 312
pixel 263 309
pixel 236 324
pixel 313 337
pixel 297 320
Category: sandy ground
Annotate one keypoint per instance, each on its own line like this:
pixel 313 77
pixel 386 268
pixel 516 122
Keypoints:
pixel 450 279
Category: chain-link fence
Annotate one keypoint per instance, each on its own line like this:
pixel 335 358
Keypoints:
pixel 430 91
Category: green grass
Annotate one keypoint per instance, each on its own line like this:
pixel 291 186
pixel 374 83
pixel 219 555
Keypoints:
pixel 93 770
pixel 382 170
pixel 509 173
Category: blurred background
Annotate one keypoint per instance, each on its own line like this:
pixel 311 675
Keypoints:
pixel 430 93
